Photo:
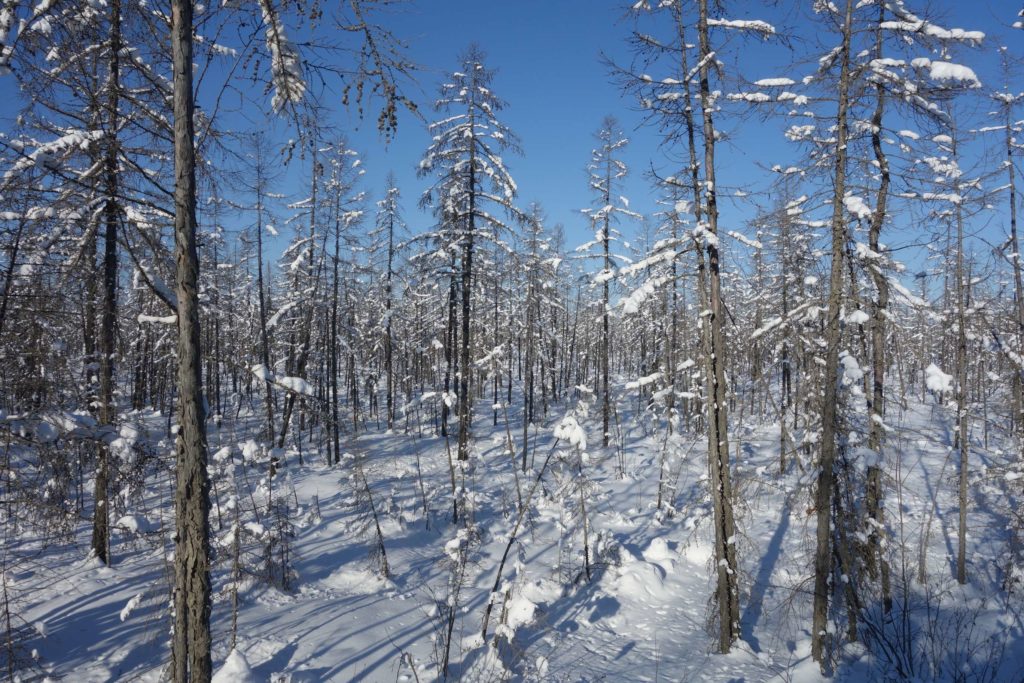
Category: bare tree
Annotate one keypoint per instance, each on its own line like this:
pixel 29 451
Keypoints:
pixel 827 457
pixel 191 645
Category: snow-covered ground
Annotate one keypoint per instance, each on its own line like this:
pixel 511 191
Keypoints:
pixel 641 617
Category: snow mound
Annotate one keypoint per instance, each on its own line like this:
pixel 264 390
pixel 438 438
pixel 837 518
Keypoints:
pixel 637 580
pixel 136 524
pixel 698 553
pixel 356 581
pixel 936 380
pixel 541 591
pixel 235 670
pixel 660 554
pixel 519 612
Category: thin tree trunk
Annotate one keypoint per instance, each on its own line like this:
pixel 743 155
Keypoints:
pixel 826 473
pixel 191 646
pixel 389 341
pixel 876 561
pixel 467 293
pixel 718 425
pixel 1018 287
pixel 961 380
pixel 264 342
pixel 101 515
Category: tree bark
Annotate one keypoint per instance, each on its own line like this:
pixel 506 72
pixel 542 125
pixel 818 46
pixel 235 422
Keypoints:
pixel 718 424
pixel 108 319
pixel 961 378
pixel 191 646
pixel 826 473
pixel 876 562
pixel 467 286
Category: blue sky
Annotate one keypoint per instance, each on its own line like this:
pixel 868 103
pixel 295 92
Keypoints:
pixel 548 71
pixel 547 55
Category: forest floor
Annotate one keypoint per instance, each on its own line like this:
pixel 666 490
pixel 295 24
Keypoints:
pixel 642 616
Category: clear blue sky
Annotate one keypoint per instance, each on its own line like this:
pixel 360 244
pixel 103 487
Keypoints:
pixel 547 55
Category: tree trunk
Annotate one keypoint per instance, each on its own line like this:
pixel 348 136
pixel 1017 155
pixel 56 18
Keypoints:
pixel 826 473
pixel 101 515
pixel 1018 287
pixel 264 341
pixel 465 365
pixel 718 425
pixel 389 341
pixel 876 562
pixel 191 646
pixel 961 379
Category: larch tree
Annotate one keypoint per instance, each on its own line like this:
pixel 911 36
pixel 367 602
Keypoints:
pixel 607 172
pixel 473 187
pixel 389 233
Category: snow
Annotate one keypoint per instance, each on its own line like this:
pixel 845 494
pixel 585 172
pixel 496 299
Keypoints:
pixel 296 385
pixel 643 381
pixel 743 239
pixel 774 82
pixel 570 430
pixel 857 317
pixel 915 25
pixel 356 581
pixel 938 381
pixel 342 620
pixel 162 320
pixel 235 669
pixel 262 372
pixel 754 25
pixel 752 97
pixel 947 71
pixel 285 62
pixel 857 207
pixel 852 372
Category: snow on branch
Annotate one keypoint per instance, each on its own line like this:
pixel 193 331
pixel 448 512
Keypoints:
pixel 754 25
pixel 911 24
pixel 296 385
pixel 285 69
pixel 754 244
pixel 946 71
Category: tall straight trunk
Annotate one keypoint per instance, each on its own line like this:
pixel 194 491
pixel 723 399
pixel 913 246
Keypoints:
pixel 1018 287
pixel 494 345
pixel 333 352
pixel 826 474
pixel 605 304
pixel 353 376
pixel 268 396
pixel 465 366
pixel 691 143
pixel 111 211
pixel 217 358
pixel 449 349
pixel 389 340
pixel 961 378
pixel 191 646
pixel 15 249
pixel 718 424
pixel 305 333
pixel 528 385
pixel 90 344
pixel 876 562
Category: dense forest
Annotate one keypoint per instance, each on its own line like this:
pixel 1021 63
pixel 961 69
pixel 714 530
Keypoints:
pixel 264 418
